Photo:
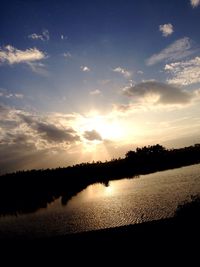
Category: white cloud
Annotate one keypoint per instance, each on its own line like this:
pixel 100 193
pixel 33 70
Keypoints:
pixel 19 96
pixel 44 36
pixel 184 72
pixel 166 29
pixel 123 71
pixel 178 50
pixel 6 94
pixel 35 36
pixel 95 92
pixel 10 95
pixel 195 3
pixel 67 55
pixel 85 68
pixel 11 55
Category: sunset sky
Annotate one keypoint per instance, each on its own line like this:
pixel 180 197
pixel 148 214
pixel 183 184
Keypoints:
pixel 90 80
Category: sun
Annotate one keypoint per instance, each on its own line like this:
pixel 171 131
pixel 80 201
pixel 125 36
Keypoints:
pixel 107 127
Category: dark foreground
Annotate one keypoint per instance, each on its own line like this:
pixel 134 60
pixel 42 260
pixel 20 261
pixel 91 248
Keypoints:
pixel 166 236
pixel 167 229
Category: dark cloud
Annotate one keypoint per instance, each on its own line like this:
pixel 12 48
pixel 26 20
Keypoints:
pixel 92 135
pixel 17 138
pixel 167 94
pixel 123 107
pixel 29 119
pixel 51 133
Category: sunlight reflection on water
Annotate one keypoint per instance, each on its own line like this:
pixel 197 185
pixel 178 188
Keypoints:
pixel 122 202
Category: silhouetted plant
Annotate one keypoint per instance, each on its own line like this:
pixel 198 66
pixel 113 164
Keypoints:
pixel 190 210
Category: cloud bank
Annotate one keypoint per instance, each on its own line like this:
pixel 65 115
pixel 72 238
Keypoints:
pixel 29 140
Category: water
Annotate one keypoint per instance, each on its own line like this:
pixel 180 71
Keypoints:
pixel 123 202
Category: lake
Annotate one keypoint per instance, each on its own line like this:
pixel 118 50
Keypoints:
pixel 122 202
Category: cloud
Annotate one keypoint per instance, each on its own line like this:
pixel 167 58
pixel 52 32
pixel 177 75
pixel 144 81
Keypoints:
pixel 166 29
pixel 11 55
pixel 36 36
pixel 67 55
pixel 4 93
pixel 62 37
pixel 44 36
pixel 92 135
pixel 33 140
pixel 49 131
pixel 184 72
pixel 95 92
pixel 180 49
pixel 195 3
pixel 123 108
pixel 123 71
pixel 19 96
pixel 38 68
pixel 158 93
pixel 85 68
pixel 52 133
pixel 140 72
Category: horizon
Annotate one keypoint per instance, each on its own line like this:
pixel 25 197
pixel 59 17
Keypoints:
pixel 88 81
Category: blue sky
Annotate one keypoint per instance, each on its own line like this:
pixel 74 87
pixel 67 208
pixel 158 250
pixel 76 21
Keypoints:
pixel 95 78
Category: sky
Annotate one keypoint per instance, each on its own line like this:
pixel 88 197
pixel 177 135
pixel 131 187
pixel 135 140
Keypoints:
pixel 90 80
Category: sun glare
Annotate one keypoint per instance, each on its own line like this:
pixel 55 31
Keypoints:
pixel 108 190
pixel 108 128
